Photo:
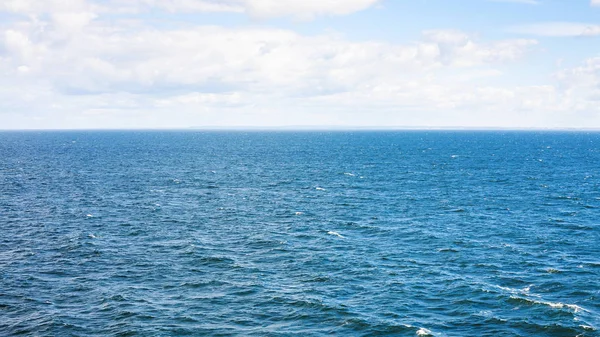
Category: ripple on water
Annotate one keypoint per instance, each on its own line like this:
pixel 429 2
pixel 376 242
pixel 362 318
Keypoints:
pixel 307 234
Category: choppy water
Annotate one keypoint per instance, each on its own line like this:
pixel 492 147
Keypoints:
pixel 306 234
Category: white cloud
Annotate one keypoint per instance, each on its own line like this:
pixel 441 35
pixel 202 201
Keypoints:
pixel 582 79
pixel 100 59
pixel 47 6
pixel 64 65
pixel 134 6
pixel 595 3
pixel 558 29
pixel 460 49
pixel 305 8
pixel 302 9
pixel 528 2
pixel 100 74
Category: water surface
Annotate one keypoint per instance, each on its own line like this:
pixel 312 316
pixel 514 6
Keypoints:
pixel 299 233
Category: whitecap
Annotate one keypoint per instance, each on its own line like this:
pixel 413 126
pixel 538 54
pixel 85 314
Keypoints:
pixel 559 305
pixel 524 291
pixel 89 216
pixel 424 332
pixel 335 233
pixel 350 174
pixel 92 236
pixel 555 305
pixel 299 213
pixel 319 189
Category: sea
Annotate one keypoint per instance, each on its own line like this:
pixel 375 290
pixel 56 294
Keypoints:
pixel 300 233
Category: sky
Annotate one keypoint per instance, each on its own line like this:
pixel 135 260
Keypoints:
pixel 147 64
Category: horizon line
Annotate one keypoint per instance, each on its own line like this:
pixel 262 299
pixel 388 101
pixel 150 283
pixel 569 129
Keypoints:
pixel 321 128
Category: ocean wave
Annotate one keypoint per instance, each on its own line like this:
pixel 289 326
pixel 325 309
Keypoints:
pixel 335 234
pixel 424 332
pixel 555 305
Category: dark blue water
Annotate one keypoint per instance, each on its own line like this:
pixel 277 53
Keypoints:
pixel 306 234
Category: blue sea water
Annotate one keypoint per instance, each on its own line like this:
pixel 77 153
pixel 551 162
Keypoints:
pixel 412 233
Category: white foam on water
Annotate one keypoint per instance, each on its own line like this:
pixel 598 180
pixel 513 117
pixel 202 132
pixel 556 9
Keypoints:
pixel 89 216
pixel 92 236
pixel 489 314
pixel 335 233
pixel 424 332
pixel 319 189
pixel 299 213
pixel 555 305
pixel 559 305
pixel 350 174
pixel 524 291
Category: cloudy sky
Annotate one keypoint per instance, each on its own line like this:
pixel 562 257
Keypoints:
pixel 183 63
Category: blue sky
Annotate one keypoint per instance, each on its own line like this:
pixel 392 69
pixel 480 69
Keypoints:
pixel 79 64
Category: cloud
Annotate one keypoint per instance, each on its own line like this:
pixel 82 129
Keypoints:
pixel 558 29
pixel 92 73
pixel 460 49
pixel 301 9
pixel 583 78
pixel 47 6
pixel 175 6
pixel 527 2
pixel 101 59
pixel 72 63
pixel 305 8
pixel 595 3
